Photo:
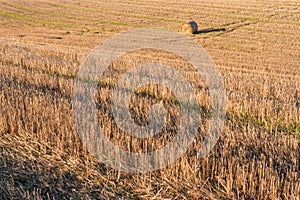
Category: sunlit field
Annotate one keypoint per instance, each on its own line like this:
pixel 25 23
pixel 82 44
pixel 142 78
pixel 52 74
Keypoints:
pixel 255 46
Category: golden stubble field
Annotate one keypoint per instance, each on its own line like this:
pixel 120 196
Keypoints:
pixel 256 47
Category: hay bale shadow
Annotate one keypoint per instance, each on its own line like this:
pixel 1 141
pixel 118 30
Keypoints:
pixel 210 30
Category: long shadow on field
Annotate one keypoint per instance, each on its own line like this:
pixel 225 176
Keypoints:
pixel 210 30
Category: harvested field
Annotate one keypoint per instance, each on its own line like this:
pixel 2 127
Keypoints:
pixel 256 48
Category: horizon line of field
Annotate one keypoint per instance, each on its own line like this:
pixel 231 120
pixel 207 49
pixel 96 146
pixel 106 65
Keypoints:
pixel 18 6
pixel 197 4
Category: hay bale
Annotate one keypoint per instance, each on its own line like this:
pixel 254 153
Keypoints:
pixel 189 27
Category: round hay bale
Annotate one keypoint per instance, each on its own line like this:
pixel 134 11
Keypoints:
pixel 189 27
